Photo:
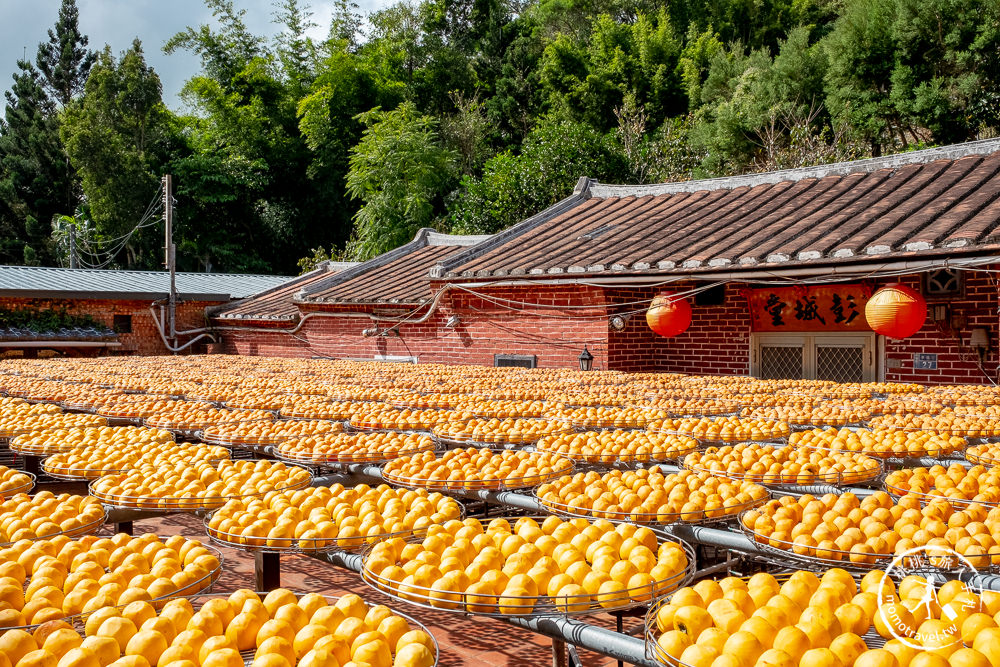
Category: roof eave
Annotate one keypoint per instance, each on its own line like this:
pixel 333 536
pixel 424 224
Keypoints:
pixel 940 257
pixel 419 241
pixel 65 343
pixel 109 296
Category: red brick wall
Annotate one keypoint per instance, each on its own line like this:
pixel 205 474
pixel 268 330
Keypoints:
pixel 264 344
pixel 636 347
pixel 555 322
pixel 555 327
pixel 144 338
pixel 716 343
pixel 957 363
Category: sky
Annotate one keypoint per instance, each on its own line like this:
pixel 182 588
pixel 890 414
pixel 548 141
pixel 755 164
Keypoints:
pixel 23 24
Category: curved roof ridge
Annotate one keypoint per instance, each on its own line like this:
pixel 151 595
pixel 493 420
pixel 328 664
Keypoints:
pixel 866 166
pixel 401 275
pixel 440 238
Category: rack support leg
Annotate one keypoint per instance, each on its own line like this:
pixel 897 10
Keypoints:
pixel 267 570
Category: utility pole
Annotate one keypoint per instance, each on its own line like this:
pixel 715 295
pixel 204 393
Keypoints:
pixel 171 257
pixel 72 247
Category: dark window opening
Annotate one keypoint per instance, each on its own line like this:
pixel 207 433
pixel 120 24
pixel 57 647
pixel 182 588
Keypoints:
pixel 713 296
pixel 122 324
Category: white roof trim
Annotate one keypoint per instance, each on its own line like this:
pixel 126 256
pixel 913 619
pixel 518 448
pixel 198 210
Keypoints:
pixel 953 152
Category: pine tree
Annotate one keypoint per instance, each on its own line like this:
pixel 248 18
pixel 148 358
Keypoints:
pixel 34 179
pixel 64 60
pixel 37 181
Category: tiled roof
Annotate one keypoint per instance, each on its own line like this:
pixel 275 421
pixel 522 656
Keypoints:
pixel 52 282
pixel 942 200
pixel 276 303
pixel 400 276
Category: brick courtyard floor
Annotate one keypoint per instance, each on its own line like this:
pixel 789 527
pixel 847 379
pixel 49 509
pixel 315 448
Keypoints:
pixel 463 640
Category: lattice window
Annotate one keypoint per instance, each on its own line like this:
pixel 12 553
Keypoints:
pixel 840 364
pixel 779 363
pixel 943 283
pixel 826 356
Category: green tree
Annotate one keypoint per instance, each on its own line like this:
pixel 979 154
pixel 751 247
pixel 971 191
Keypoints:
pixel 900 69
pixel 344 87
pixel 251 166
pixel 563 71
pixel 346 24
pixel 465 132
pixel 588 81
pixel 758 24
pixel 34 180
pixel 64 60
pixel 658 49
pixel 568 18
pixel 947 72
pixel 750 102
pixel 401 172
pixel 554 156
pixel 670 155
pixel 295 51
pixel 657 155
pixel 394 53
pixel 516 98
pixel 450 41
pixel 225 52
pixel 695 58
pixel 117 135
pixel 859 79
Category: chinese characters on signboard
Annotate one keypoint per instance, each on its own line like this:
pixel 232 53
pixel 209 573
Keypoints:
pixel 809 308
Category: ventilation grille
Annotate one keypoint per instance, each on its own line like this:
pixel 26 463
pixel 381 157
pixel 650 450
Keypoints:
pixel 943 283
pixel 515 360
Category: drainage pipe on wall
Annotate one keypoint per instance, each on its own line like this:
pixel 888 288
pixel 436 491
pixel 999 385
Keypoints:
pixel 313 314
pixel 204 332
pixel 178 348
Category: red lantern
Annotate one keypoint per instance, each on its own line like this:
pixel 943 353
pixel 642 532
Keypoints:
pixel 896 311
pixel 669 315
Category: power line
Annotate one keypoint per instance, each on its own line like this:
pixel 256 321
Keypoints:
pixel 103 257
